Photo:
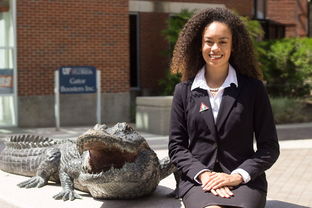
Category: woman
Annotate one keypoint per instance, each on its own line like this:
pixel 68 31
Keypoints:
pixel 217 110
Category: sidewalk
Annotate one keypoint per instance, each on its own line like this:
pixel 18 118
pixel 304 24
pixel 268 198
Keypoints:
pixel 290 179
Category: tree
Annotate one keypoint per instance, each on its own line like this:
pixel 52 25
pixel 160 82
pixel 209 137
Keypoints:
pixel 171 34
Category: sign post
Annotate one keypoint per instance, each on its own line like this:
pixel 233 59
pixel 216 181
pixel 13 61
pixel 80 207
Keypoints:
pixel 77 80
pixel 98 105
pixel 57 100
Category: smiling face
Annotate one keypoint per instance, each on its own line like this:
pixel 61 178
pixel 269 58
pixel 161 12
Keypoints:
pixel 216 45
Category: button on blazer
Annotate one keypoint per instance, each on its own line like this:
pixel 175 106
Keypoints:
pixel 197 142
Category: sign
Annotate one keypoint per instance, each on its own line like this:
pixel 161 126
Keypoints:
pixel 6 81
pixel 73 80
pixel 77 79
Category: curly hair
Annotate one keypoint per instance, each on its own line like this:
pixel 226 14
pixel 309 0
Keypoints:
pixel 187 57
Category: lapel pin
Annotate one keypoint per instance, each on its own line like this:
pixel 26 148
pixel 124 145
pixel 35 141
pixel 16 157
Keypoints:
pixel 203 107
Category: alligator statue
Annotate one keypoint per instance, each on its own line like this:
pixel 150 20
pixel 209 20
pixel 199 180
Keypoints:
pixel 109 163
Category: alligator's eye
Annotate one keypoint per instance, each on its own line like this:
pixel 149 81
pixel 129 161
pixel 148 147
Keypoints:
pixel 129 128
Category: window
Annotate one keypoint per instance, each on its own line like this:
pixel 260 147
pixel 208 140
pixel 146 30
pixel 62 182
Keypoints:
pixel 7 64
pixel 272 29
pixel 259 9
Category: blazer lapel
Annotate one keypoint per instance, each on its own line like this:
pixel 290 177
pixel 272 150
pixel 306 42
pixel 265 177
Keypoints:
pixel 203 106
pixel 230 95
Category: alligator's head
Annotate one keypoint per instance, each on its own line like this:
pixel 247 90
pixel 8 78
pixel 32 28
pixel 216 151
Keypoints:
pixel 117 162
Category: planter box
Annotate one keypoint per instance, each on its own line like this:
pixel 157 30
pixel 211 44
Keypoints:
pixel 153 114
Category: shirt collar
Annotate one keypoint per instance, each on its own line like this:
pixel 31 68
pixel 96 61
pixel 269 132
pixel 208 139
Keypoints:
pixel 200 80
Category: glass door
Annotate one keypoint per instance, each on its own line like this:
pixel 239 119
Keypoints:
pixel 7 64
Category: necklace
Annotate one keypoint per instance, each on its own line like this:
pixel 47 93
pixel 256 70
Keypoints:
pixel 214 91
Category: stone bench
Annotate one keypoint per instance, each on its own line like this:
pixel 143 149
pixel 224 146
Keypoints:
pixel 13 197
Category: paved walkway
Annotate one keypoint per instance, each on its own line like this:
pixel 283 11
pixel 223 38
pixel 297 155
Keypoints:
pixel 290 179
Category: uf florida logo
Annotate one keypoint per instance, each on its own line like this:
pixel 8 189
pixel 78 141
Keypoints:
pixel 66 70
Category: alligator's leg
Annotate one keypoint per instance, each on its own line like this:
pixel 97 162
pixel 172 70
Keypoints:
pixel 68 192
pixel 48 167
pixel 166 168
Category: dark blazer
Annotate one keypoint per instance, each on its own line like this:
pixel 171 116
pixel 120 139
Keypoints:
pixel 196 142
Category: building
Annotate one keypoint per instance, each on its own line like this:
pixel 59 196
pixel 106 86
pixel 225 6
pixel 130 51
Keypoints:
pixel 41 36
pixel 121 38
pixel 284 18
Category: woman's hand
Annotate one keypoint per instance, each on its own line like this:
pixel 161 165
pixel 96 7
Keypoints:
pixel 206 177
pixel 219 180
pixel 224 192
pixel 219 183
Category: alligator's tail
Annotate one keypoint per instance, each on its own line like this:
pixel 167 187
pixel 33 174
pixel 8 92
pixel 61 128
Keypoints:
pixel 2 145
pixel 22 154
pixel 29 141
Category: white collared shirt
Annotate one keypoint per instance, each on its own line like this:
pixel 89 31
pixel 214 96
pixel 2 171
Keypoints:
pixel 215 101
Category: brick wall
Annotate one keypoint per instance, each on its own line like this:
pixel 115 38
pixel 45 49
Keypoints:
pixel 153 58
pixel 51 34
pixel 293 13
pixel 243 7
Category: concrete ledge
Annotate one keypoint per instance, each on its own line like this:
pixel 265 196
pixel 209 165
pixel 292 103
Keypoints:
pixel 153 114
pixel 157 101
pixel 14 197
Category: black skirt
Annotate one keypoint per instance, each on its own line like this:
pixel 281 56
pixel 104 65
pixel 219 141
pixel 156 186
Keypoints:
pixel 244 197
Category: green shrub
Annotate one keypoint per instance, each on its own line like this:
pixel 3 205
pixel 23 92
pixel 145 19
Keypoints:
pixel 169 82
pixel 302 58
pixel 286 65
pixel 290 110
pixel 254 28
pixel 174 26
pixel 171 34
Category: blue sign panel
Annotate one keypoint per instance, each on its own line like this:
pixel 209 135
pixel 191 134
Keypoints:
pixel 77 79
pixel 6 81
